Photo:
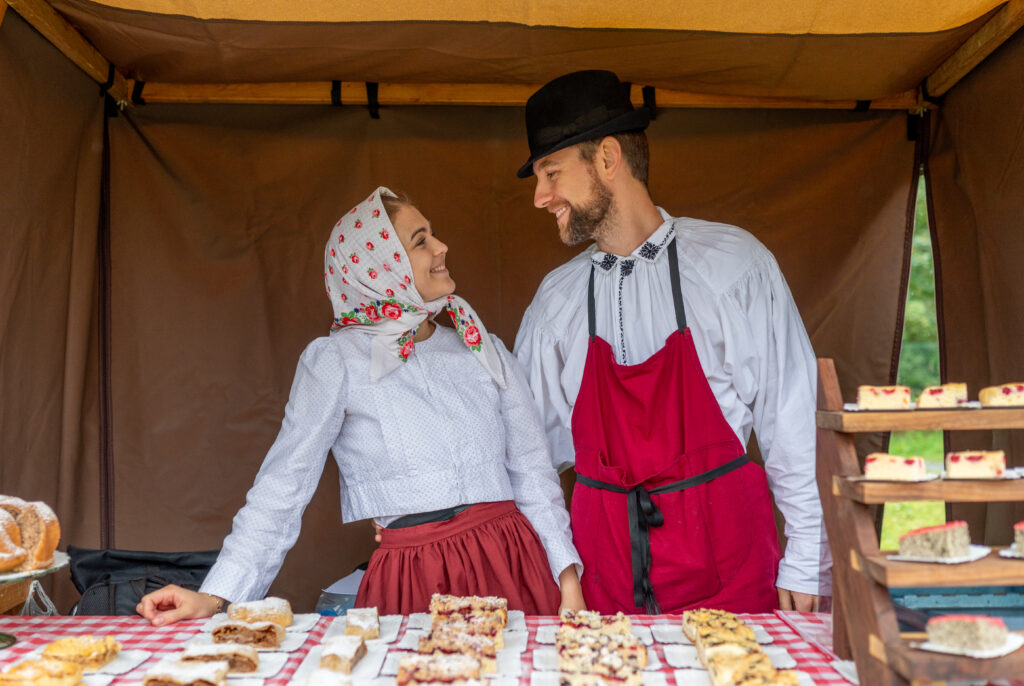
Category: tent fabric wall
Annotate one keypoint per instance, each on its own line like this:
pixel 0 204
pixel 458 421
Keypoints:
pixel 51 140
pixel 976 169
pixel 220 214
pixel 864 66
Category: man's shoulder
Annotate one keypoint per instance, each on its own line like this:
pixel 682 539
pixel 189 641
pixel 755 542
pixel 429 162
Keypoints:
pixel 564 283
pixel 720 254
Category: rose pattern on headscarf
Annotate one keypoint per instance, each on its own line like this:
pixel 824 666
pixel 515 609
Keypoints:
pixel 370 287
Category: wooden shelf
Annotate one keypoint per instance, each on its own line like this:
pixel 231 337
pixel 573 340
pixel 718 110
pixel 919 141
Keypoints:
pixel 923 666
pixel 922 420
pixel 952 491
pixel 991 570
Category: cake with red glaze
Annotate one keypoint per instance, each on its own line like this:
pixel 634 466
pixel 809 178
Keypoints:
pixel 886 467
pixel 976 464
pixel 883 398
pixel 946 395
pixel 1004 395
pixel 940 542
pixel 967 632
pixel 1018 537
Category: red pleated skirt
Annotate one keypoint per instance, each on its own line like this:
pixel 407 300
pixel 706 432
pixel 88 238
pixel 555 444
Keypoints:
pixel 487 549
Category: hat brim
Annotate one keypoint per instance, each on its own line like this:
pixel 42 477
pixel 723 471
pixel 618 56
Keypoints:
pixel 637 120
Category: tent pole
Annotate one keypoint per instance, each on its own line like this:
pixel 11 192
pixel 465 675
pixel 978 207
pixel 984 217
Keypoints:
pixel 475 94
pixel 985 40
pixel 75 47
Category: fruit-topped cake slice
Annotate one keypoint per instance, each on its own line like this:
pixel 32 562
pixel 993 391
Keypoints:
pixel 885 467
pixel 946 395
pixel 976 464
pixel 883 397
pixel 1005 395
pixel 945 541
pixel 967 632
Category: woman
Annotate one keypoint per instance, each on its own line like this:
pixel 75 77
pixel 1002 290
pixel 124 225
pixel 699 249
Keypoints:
pixel 435 435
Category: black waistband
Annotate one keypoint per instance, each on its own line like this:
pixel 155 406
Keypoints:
pixel 643 514
pixel 426 517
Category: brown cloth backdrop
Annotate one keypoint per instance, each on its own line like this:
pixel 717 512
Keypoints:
pixel 977 187
pixel 218 219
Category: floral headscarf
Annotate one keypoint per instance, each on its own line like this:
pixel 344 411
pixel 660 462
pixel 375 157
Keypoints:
pixel 369 282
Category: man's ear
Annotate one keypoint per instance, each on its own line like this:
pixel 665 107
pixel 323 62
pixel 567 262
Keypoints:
pixel 609 157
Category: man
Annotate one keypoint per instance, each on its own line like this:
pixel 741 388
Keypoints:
pixel 652 355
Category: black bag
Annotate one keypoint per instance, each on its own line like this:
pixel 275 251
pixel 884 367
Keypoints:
pixel 113 581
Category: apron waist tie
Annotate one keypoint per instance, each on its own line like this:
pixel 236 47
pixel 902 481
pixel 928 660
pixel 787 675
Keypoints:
pixel 643 514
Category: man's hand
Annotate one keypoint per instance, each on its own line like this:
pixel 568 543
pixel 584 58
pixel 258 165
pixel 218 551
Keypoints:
pixel 802 602
pixel 572 591
pixel 377 528
pixel 173 603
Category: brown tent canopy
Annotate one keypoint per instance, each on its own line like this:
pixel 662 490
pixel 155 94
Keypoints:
pixel 162 262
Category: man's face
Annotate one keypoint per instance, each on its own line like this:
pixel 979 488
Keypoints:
pixel 569 187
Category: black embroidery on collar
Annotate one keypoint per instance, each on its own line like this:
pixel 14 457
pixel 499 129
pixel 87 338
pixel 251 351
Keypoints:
pixel 627 267
pixel 649 251
pixel 607 262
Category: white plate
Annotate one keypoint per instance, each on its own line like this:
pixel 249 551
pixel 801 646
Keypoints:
pixel 291 642
pixel 509 664
pixel 126 661
pixel 673 633
pixel 389 626
pixel 926 477
pixel 697 677
pixel 1013 642
pixel 976 553
pixel 1011 552
pixel 300 623
pixel 1010 474
pixel 367 668
pixel 97 679
pixel 853 407
pixel 423 620
pixel 554 679
pixel 545 658
pixel 685 657
pixel 60 560
pixel 546 633
pixel 515 641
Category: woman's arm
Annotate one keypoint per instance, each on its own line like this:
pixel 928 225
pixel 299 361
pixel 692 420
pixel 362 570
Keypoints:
pixel 572 591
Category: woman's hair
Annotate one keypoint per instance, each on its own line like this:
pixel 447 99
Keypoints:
pixel 394 203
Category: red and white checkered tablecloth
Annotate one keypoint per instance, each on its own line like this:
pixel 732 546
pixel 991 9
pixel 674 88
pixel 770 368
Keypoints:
pixel 135 633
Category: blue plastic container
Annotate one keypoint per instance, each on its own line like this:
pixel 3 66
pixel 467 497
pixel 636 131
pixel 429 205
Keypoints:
pixel 996 601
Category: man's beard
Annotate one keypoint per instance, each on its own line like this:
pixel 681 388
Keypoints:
pixel 589 222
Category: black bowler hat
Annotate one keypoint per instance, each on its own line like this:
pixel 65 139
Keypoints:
pixel 578 107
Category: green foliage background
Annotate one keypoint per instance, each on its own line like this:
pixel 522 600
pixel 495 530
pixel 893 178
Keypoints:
pixel 919 367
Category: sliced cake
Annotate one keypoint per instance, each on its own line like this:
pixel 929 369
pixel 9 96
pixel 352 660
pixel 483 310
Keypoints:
pixel 886 467
pixel 88 651
pixel 450 639
pixel 1005 395
pixel 883 397
pixel 945 541
pixel 967 632
pixel 595 621
pixel 447 669
pixel 341 653
pixel 172 672
pixel 240 658
pixel 944 396
pixel 362 621
pixel 276 610
pixel 256 634
pixel 44 671
pixel 1018 537
pixel 693 618
pixel 976 464
pixel 481 625
pixel 442 604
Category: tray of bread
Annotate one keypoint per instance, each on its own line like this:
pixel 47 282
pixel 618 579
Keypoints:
pixel 29 533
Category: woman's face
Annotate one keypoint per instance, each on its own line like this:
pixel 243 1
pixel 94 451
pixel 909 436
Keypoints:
pixel 426 254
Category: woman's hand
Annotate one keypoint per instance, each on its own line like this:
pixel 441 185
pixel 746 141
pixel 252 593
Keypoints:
pixel 377 528
pixel 173 603
pixel 572 591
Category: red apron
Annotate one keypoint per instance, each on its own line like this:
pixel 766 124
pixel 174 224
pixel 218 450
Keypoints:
pixel 667 513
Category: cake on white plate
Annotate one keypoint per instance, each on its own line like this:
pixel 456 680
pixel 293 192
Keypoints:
pixel 886 467
pixel 883 398
pixel 976 464
pixel 967 632
pixel 1004 395
pixel 1018 537
pixel 942 542
pixel 946 395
